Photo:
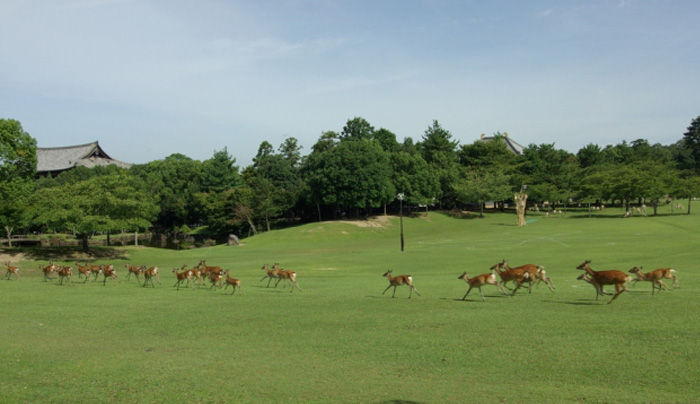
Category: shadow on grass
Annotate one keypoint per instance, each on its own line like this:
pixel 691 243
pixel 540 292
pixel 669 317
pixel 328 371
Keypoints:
pixel 65 253
pixel 399 402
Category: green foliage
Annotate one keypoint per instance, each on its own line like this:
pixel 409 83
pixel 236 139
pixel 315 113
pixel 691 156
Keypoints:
pixel 481 185
pixel 17 170
pixel 691 140
pixel 413 177
pixel 220 173
pixel 439 150
pixel 357 129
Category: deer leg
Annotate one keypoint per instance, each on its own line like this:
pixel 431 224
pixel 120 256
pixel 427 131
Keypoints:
pixel 393 294
pixel 482 294
pixel 618 289
pixel 465 295
pixel 387 288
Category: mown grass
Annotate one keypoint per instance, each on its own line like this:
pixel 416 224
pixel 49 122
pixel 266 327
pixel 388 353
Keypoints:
pixel 340 340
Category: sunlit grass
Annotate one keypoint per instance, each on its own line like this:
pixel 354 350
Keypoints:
pixel 340 340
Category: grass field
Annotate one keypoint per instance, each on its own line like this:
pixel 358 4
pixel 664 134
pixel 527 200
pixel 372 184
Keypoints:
pixel 341 340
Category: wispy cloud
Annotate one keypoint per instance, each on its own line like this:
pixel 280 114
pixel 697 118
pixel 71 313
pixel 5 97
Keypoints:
pixel 546 13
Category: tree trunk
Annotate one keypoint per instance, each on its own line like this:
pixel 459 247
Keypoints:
pixel 136 238
pixel 690 198
pixel 318 207
pixel 267 222
pixel 8 231
pixel 481 212
pixel 85 243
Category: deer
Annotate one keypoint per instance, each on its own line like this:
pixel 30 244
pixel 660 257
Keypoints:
pixel 206 270
pixel 479 281
pixel 215 279
pixel 11 270
pixel 195 272
pixel 235 283
pixel 666 273
pixel 517 275
pixel 286 276
pixel 48 271
pixel 610 277
pixel 653 276
pixel 400 281
pixel 537 274
pixel 83 271
pixel 599 289
pixel 65 272
pixel 149 274
pixel 95 270
pixel 269 273
pixel 133 269
pixel 183 276
pixel 108 272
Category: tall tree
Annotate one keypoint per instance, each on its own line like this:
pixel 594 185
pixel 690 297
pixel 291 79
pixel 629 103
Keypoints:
pixel 691 139
pixel 17 171
pixel 481 185
pixel 220 173
pixel 439 150
pixel 357 129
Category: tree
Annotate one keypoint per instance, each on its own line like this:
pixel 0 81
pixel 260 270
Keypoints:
pixel 489 154
pixel 357 129
pixel 99 204
pixel 175 179
pixel 412 176
pixel 439 150
pixel 481 185
pixel 291 152
pixel 691 139
pixel 17 171
pixel 220 173
pixel 354 174
pixel 551 174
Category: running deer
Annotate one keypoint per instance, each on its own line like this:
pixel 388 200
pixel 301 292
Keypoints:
pixel 216 279
pixel 65 272
pixel 149 274
pixel 48 271
pixel 206 270
pixel 666 273
pixel 400 281
pixel 536 273
pixel 11 270
pixel 108 272
pixel 235 283
pixel 83 271
pixel 133 269
pixel 479 281
pixel 517 275
pixel 611 277
pixel 599 289
pixel 653 276
pixel 270 273
pixel 182 277
pixel 286 276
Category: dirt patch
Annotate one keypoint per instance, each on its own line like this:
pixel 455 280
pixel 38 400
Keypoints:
pixel 375 221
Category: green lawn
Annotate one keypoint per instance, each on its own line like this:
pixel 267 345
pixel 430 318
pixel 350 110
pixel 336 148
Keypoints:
pixel 341 340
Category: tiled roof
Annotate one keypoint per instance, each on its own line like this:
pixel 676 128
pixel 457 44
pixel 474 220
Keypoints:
pixel 54 159
pixel 512 145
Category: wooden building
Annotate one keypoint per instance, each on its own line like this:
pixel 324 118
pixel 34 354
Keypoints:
pixel 55 160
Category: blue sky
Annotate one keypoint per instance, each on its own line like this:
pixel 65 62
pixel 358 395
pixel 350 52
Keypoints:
pixel 149 78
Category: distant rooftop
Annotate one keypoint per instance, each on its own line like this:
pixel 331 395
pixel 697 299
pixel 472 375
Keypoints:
pixel 53 160
pixel 512 145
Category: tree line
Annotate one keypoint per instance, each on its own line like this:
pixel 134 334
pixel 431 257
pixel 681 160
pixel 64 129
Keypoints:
pixel 354 172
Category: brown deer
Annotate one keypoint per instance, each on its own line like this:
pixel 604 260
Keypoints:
pixel 65 272
pixel 182 277
pixel 270 274
pixel 479 281
pixel 235 283
pixel 400 281
pixel 149 274
pixel 666 273
pixel 133 269
pixel 11 270
pixel 653 276
pixel 599 289
pixel 48 271
pixel 83 271
pixel 537 274
pixel 286 276
pixel 611 277
pixel 108 272
pixel 517 275
pixel 206 270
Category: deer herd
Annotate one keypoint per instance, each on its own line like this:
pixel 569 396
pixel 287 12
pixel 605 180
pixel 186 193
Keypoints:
pixel 500 276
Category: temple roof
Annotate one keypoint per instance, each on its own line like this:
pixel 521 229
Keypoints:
pixel 57 159
pixel 512 145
